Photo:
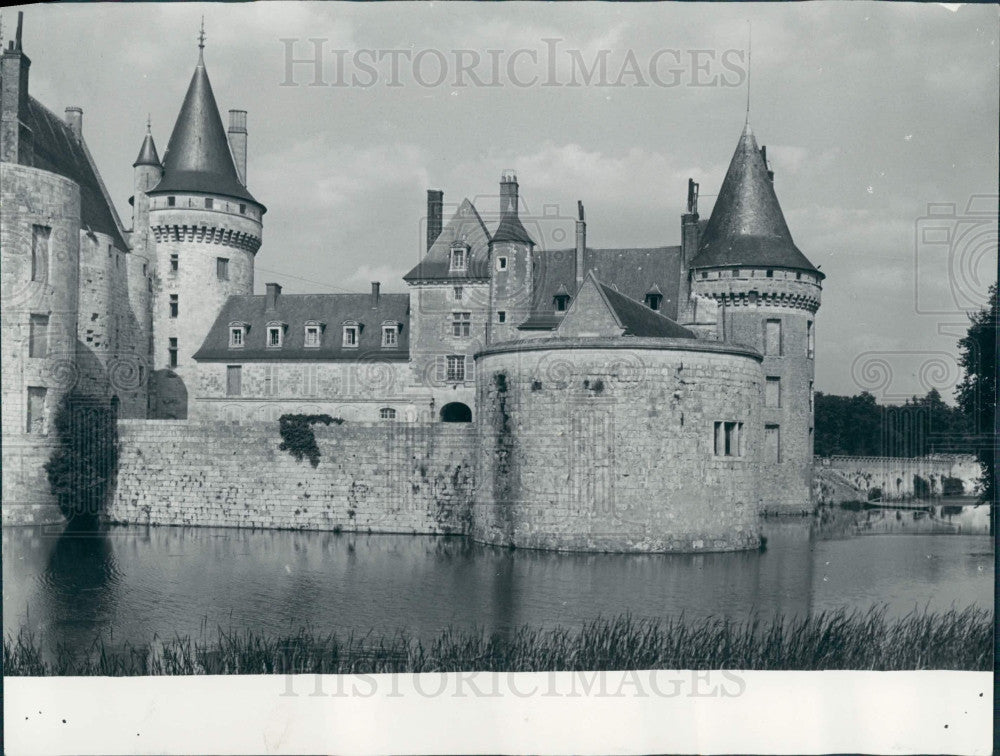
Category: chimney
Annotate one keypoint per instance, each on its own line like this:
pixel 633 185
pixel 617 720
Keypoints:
pixel 435 206
pixel 581 244
pixel 238 142
pixel 375 287
pixel 508 193
pixel 15 137
pixel 74 119
pixel 689 248
pixel 763 154
pixel 273 292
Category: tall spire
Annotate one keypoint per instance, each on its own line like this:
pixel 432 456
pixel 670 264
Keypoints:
pixel 747 226
pixel 147 153
pixel 201 43
pixel 198 157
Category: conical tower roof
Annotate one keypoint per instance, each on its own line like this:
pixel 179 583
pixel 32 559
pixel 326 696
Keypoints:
pixel 198 157
pixel 147 153
pixel 747 226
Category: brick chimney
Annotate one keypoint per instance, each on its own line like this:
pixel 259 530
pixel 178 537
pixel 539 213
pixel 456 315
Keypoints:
pixel 581 244
pixel 15 136
pixel 238 142
pixel 508 193
pixel 435 207
pixel 74 119
pixel 375 292
pixel 273 292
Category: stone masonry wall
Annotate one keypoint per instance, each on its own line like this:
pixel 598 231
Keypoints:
pixel 842 479
pixel 377 477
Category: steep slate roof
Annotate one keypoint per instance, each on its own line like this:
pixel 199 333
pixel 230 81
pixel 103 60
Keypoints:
pixel 747 226
pixel 632 271
pixel 294 310
pixel 639 320
pixel 198 158
pixel 465 225
pixel 147 153
pixel 56 149
pixel 510 229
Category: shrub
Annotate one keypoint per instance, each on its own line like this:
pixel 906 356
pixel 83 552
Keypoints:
pixel 297 437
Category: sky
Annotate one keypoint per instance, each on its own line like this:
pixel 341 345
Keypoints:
pixel 880 121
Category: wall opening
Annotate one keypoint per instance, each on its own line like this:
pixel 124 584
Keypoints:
pixel 456 412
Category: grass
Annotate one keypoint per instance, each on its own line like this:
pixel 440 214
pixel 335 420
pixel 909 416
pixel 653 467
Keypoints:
pixel 830 640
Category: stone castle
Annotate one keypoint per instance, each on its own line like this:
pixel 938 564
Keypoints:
pixel 633 399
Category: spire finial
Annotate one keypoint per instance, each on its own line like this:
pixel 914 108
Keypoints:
pixel 749 65
pixel 201 42
pixel 149 123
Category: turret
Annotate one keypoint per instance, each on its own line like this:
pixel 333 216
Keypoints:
pixel 510 266
pixel 206 228
pixel 768 295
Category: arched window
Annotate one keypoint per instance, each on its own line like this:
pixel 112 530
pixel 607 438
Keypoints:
pixel 456 412
pixel 387 413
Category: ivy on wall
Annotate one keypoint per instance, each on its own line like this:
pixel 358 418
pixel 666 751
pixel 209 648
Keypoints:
pixel 298 438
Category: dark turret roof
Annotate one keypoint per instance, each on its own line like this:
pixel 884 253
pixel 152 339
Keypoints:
pixel 147 153
pixel 511 230
pixel 198 158
pixel 747 226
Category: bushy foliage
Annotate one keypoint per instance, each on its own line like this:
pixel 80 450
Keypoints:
pixel 82 467
pixel 298 438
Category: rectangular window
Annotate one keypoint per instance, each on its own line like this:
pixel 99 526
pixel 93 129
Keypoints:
pixel 171 201
pixel 243 209
pixel 36 410
pixel 40 236
pixel 458 259
pixel 38 336
pixel 173 305
pixel 389 336
pixel 222 268
pixel 457 292
pixel 234 380
pixel 173 262
pixel 172 352
pixel 501 316
pixel 456 367
pixel 309 380
pixel 269 380
pixel 812 398
pixel 274 336
pixel 235 337
pixel 461 324
pixel 772 338
pixel 501 263
pixel 772 444
pixel 810 341
pixel 728 439
pixel 209 203
pixel 312 336
pixel 350 336
pixel 387 413
pixel 772 392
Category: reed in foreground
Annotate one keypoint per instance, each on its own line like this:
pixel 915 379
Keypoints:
pixel 960 640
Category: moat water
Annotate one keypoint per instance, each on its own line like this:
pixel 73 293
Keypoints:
pixel 135 582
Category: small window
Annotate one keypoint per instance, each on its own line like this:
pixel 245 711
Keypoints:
pixel 501 316
pixel 772 338
pixel 243 209
pixel 502 263
pixel 772 392
pixel 36 410
pixel 387 413
pixel 174 263
pixel 269 380
pixel 222 268
pixel 704 274
pixel 653 301
pixel 459 258
pixel 274 333
pixel 172 352
pixel 40 236
pixel 312 337
pixel 173 305
pixel 456 367
pixel 309 380
pixel 209 203
pixel 461 324
pixel 562 302
pixel 235 337
pixel 798 276
pixel 390 335
pixel 770 274
pixel 812 398
pixel 735 273
pixel 772 444
pixel 38 336
pixel 810 340
pixel 234 380
pixel 457 293
pixel 145 269
pixel 729 439
pixel 171 201
pixel 350 336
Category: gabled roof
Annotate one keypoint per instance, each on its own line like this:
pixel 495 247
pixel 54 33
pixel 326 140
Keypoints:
pixel 56 149
pixel 747 226
pixel 465 226
pixel 198 158
pixel 293 311
pixel 637 319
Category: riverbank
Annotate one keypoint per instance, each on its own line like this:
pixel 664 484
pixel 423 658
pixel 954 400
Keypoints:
pixel 954 640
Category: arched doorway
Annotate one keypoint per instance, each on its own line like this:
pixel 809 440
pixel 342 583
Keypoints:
pixel 456 412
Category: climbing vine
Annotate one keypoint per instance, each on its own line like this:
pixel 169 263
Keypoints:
pixel 298 438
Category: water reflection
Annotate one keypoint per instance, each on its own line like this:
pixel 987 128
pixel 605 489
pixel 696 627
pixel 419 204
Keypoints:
pixel 138 582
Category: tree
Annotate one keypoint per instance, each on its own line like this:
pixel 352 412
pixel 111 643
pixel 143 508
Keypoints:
pixel 977 392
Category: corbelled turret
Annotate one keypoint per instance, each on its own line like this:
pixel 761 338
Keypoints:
pixel 747 226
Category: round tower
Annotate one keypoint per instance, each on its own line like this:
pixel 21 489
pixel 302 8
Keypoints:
pixel 205 228
pixel 768 294
pixel 510 267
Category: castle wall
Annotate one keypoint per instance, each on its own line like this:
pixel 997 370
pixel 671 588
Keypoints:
pixel 847 479
pixel 609 445
pixel 373 477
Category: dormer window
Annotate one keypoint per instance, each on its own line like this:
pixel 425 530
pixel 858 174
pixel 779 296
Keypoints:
pixel 459 257
pixel 313 333
pixel 275 334
pixel 562 302
pixel 653 300
pixel 390 335
pixel 237 335
pixel 352 331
